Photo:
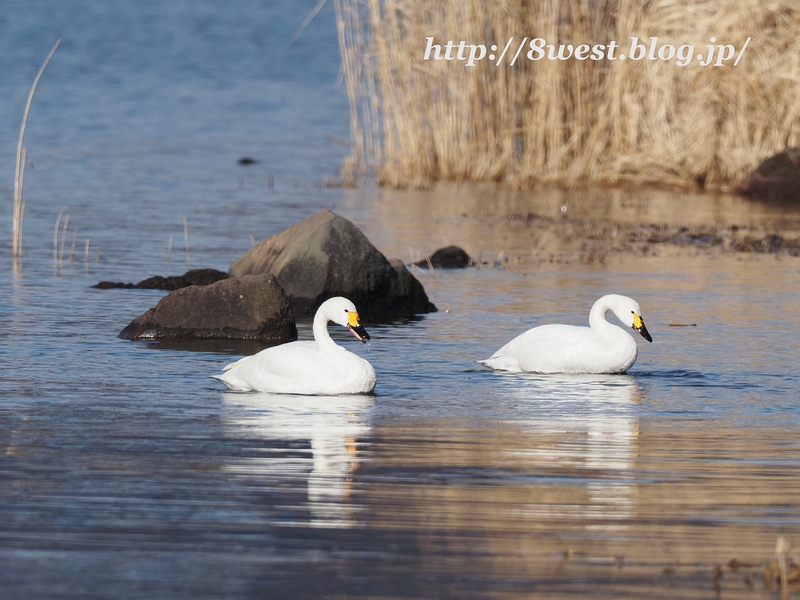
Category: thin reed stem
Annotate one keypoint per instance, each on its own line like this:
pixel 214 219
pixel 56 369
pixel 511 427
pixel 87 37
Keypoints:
pixel 19 207
pixel 63 240
pixel 21 156
pixel 186 243
pixel 55 239
pixel 72 248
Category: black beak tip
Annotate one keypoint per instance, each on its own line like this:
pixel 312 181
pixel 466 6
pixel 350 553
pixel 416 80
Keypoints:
pixel 360 333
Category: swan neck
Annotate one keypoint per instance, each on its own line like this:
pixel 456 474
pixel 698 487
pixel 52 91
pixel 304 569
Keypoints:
pixel 597 317
pixel 321 335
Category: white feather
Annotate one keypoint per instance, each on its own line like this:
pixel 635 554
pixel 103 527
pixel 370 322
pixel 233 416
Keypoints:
pixel 599 348
pixel 312 368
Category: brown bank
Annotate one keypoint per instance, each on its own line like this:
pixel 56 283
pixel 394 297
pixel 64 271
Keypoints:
pixel 776 179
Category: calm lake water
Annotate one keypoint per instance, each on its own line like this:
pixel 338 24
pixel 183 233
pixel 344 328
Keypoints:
pixel 125 472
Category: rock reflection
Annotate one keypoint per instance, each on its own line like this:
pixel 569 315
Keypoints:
pixel 322 435
pixel 598 413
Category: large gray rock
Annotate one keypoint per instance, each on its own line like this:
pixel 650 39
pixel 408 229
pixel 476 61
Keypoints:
pixel 326 255
pixel 244 308
pixel 777 178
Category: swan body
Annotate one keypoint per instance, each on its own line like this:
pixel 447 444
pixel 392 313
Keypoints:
pixel 320 367
pixel 599 348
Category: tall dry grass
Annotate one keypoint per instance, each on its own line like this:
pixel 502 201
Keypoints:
pixel 568 122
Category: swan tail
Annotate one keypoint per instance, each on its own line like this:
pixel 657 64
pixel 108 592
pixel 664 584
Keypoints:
pixel 231 383
pixel 501 363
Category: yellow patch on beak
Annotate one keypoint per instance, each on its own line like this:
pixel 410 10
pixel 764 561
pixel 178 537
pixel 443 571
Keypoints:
pixel 638 326
pixel 352 319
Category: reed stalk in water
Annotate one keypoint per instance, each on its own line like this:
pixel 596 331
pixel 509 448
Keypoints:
pixel 72 248
pixel 569 122
pixel 186 243
pixel 63 241
pixel 55 239
pixel 20 168
pixel 19 205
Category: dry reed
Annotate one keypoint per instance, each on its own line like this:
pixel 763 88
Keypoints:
pixel 72 248
pixel 186 243
pixel 55 239
pixel 63 241
pixel 19 205
pixel 19 171
pixel 569 122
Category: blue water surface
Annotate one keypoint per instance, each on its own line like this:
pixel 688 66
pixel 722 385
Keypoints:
pixel 125 472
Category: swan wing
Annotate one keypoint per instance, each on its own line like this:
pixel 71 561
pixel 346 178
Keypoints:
pixel 300 368
pixel 536 350
pixel 271 369
pixel 564 349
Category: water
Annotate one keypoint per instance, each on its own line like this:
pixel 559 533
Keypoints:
pixel 126 472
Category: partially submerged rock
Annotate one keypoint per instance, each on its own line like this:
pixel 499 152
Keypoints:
pixel 174 282
pixel 451 257
pixel 326 255
pixel 777 178
pixel 244 308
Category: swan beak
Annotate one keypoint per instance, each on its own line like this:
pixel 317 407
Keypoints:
pixel 356 328
pixel 638 325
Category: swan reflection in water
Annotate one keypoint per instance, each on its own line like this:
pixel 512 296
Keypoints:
pixel 583 428
pixel 331 425
pixel 593 429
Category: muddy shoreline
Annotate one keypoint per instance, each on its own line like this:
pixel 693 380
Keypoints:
pixel 498 226
pixel 589 241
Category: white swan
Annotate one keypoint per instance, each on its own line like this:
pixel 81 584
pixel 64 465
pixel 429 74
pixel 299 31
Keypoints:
pixel 600 348
pixel 311 368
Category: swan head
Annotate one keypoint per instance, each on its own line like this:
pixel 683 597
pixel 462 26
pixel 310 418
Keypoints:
pixel 343 312
pixel 627 311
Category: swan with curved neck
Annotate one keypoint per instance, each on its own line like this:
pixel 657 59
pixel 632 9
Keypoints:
pixel 320 367
pixel 599 348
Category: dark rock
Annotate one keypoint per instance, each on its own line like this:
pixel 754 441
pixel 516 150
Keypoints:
pixel 772 244
pixel 777 178
pixel 408 288
pixel 451 257
pixel 247 161
pixel 108 285
pixel 204 276
pixel 243 308
pixel 193 277
pixel 326 255
pixel 158 282
pixel 702 240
